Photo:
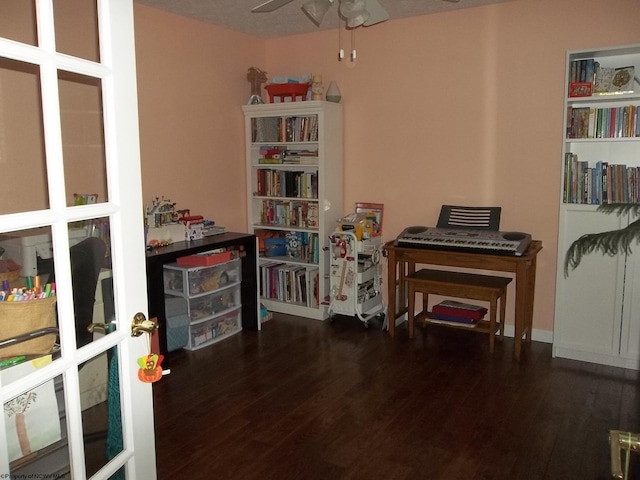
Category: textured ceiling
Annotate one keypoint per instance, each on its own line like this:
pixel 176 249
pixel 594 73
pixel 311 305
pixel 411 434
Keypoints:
pixel 290 19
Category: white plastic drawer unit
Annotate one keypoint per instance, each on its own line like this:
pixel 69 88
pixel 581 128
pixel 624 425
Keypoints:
pixel 193 281
pixel 213 301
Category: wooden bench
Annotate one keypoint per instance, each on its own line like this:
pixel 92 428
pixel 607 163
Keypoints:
pixel 487 288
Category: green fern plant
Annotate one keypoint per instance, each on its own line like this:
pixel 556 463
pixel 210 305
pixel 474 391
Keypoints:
pixel 609 243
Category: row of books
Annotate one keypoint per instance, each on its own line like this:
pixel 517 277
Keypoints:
pixel 290 283
pixel 457 313
pixel 583 70
pixel 285 129
pixel 289 160
pixel 298 246
pixel 298 129
pixel 605 80
pixel 289 213
pixel 613 122
pixel 603 183
pixel 286 183
pixel 278 154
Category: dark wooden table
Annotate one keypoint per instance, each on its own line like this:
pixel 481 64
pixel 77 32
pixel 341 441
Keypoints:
pixel 402 262
pixel 157 258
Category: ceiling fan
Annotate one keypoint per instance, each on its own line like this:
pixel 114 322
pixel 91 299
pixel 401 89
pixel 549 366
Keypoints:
pixel 354 12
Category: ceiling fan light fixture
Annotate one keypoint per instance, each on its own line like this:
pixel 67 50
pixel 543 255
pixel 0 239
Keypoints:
pixel 354 12
pixel 316 9
pixel 352 8
pixel 354 22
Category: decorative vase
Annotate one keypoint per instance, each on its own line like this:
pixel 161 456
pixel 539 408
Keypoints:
pixel 333 93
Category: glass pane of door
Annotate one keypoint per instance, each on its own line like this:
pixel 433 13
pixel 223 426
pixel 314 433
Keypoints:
pixel 18 21
pixel 23 174
pixel 101 410
pixel 35 423
pixel 82 139
pixel 27 271
pixel 77 19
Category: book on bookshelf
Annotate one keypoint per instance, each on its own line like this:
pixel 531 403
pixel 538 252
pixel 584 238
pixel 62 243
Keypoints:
pixel 581 71
pixel 286 183
pixel 603 78
pixel 603 182
pixel 289 283
pixel 603 122
pixel 288 213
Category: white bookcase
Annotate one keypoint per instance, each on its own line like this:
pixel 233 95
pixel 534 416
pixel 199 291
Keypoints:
pixel 597 310
pixel 294 184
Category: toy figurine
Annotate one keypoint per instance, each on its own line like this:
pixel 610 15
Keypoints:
pixel 256 77
pixel 316 88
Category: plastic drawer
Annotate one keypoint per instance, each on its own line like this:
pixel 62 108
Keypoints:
pixel 213 303
pixel 190 281
pixel 211 331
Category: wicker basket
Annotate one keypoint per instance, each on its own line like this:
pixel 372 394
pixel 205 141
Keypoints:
pixel 19 318
pixel 11 276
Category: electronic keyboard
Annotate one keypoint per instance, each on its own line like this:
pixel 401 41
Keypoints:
pixel 465 240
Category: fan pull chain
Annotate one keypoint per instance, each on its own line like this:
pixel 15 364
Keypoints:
pixel 353 45
pixel 340 49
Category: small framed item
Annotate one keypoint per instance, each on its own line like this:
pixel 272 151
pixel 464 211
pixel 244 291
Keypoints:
pixel 580 89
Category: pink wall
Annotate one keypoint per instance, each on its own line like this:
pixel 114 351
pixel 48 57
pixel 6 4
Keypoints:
pixel 462 107
pixel 191 83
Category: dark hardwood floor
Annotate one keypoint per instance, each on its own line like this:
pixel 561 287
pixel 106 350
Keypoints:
pixel 304 399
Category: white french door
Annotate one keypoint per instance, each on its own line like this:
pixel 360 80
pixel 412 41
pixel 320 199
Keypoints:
pixel 71 222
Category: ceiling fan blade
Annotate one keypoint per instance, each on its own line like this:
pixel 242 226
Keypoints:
pixel 270 6
pixel 377 14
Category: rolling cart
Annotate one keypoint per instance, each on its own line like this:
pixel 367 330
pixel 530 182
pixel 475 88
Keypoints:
pixel 356 276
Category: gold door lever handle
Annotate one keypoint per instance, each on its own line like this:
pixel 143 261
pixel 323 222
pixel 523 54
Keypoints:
pixel 101 327
pixel 141 325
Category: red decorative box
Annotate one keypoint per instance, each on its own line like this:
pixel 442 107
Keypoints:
pixel 204 260
pixel 283 90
